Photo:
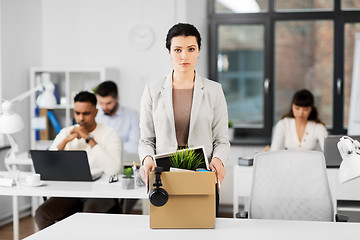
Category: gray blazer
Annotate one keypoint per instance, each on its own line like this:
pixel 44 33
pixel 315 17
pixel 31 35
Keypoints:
pixel 208 119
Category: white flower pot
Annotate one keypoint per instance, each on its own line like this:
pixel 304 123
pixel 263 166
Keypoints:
pixel 128 183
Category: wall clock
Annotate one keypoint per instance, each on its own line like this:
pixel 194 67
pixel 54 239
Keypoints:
pixel 141 37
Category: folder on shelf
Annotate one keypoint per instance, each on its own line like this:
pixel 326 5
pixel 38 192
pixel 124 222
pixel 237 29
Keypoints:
pixel 37 132
pixel 44 133
pixel 54 121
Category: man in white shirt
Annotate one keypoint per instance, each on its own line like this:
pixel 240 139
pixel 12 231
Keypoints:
pixel 103 147
pixel 124 120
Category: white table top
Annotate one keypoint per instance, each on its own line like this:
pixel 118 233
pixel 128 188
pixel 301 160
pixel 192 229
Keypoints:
pixel 100 188
pixel 118 226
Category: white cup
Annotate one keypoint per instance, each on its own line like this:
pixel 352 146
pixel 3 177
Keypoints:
pixel 33 179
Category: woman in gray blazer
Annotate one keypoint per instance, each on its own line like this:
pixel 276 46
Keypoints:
pixel 183 109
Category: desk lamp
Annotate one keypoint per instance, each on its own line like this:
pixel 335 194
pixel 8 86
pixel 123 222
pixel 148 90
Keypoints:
pixel 11 122
pixel 350 153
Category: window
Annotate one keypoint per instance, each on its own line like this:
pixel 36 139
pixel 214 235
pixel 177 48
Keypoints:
pixel 303 5
pixel 262 55
pixel 241 6
pixel 349 36
pixel 304 59
pixel 350 4
pixel 240 72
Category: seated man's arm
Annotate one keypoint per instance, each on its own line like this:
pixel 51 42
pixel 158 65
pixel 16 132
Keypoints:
pixel 106 154
pixel 63 138
pixel 62 144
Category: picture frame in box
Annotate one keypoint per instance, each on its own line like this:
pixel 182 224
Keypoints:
pixel 163 159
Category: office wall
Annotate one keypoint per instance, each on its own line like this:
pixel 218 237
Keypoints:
pixel 97 33
pixel 90 33
pixel 20 49
pixel 87 33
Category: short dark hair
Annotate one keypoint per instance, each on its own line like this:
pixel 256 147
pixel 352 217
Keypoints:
pixel 107 88
pixel 85 96
pixel 182 29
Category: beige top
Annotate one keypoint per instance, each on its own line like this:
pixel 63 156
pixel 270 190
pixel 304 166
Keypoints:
pixel 208 121
pixel 285 136
pixel 182 101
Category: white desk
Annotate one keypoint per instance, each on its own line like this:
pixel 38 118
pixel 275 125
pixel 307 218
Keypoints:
pixel 98 189
pixel 339 191
pixel 92 226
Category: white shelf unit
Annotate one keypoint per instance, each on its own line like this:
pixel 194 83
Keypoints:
pixel 68 81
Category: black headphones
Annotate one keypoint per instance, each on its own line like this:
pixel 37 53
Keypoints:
pixel 158 196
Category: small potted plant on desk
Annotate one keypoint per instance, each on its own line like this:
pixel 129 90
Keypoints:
pixel 128 181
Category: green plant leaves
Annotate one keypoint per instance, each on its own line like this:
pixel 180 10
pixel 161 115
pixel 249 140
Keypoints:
pixel 128 172
pixel 186 159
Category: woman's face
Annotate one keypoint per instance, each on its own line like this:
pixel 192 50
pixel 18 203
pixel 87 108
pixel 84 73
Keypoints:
pixel 301 113
pixel 184 52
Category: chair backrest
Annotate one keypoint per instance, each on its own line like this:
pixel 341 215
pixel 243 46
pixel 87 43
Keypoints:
pixel 290 185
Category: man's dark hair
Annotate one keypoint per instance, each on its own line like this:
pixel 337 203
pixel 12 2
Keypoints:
pixel 107 88
pixel 182 29
pixel 85 96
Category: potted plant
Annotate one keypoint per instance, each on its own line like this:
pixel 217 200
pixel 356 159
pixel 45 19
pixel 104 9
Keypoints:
pixel 187 159
pixel 182 158
pixel 128 181
pixel 231 130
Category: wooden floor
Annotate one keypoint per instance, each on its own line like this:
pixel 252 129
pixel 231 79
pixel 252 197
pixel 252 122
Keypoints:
pixel 27 227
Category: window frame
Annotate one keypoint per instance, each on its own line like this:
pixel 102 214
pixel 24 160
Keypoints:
pixel 253 136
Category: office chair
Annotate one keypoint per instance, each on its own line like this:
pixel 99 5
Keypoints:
pixel 290 185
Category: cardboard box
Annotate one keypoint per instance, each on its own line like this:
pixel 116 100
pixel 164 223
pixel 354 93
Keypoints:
pixel 191 201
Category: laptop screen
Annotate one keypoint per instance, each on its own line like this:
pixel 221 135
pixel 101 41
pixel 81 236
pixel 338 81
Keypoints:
pixel 331 152
pixel 62 165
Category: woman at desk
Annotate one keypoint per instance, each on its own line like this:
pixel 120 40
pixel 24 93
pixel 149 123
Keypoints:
pixel 300 128
pixel 184 108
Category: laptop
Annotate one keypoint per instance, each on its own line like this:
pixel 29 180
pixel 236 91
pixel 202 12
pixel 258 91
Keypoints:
pixel 331 152
pixel 63 165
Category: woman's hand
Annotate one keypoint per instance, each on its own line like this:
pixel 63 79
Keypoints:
pixel 217 166
pixel 148 165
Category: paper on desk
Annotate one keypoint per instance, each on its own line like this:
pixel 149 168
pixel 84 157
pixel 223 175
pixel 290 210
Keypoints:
pixel 6 182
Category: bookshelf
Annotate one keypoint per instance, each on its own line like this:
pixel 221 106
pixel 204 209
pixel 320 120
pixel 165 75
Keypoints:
pixel 68 82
